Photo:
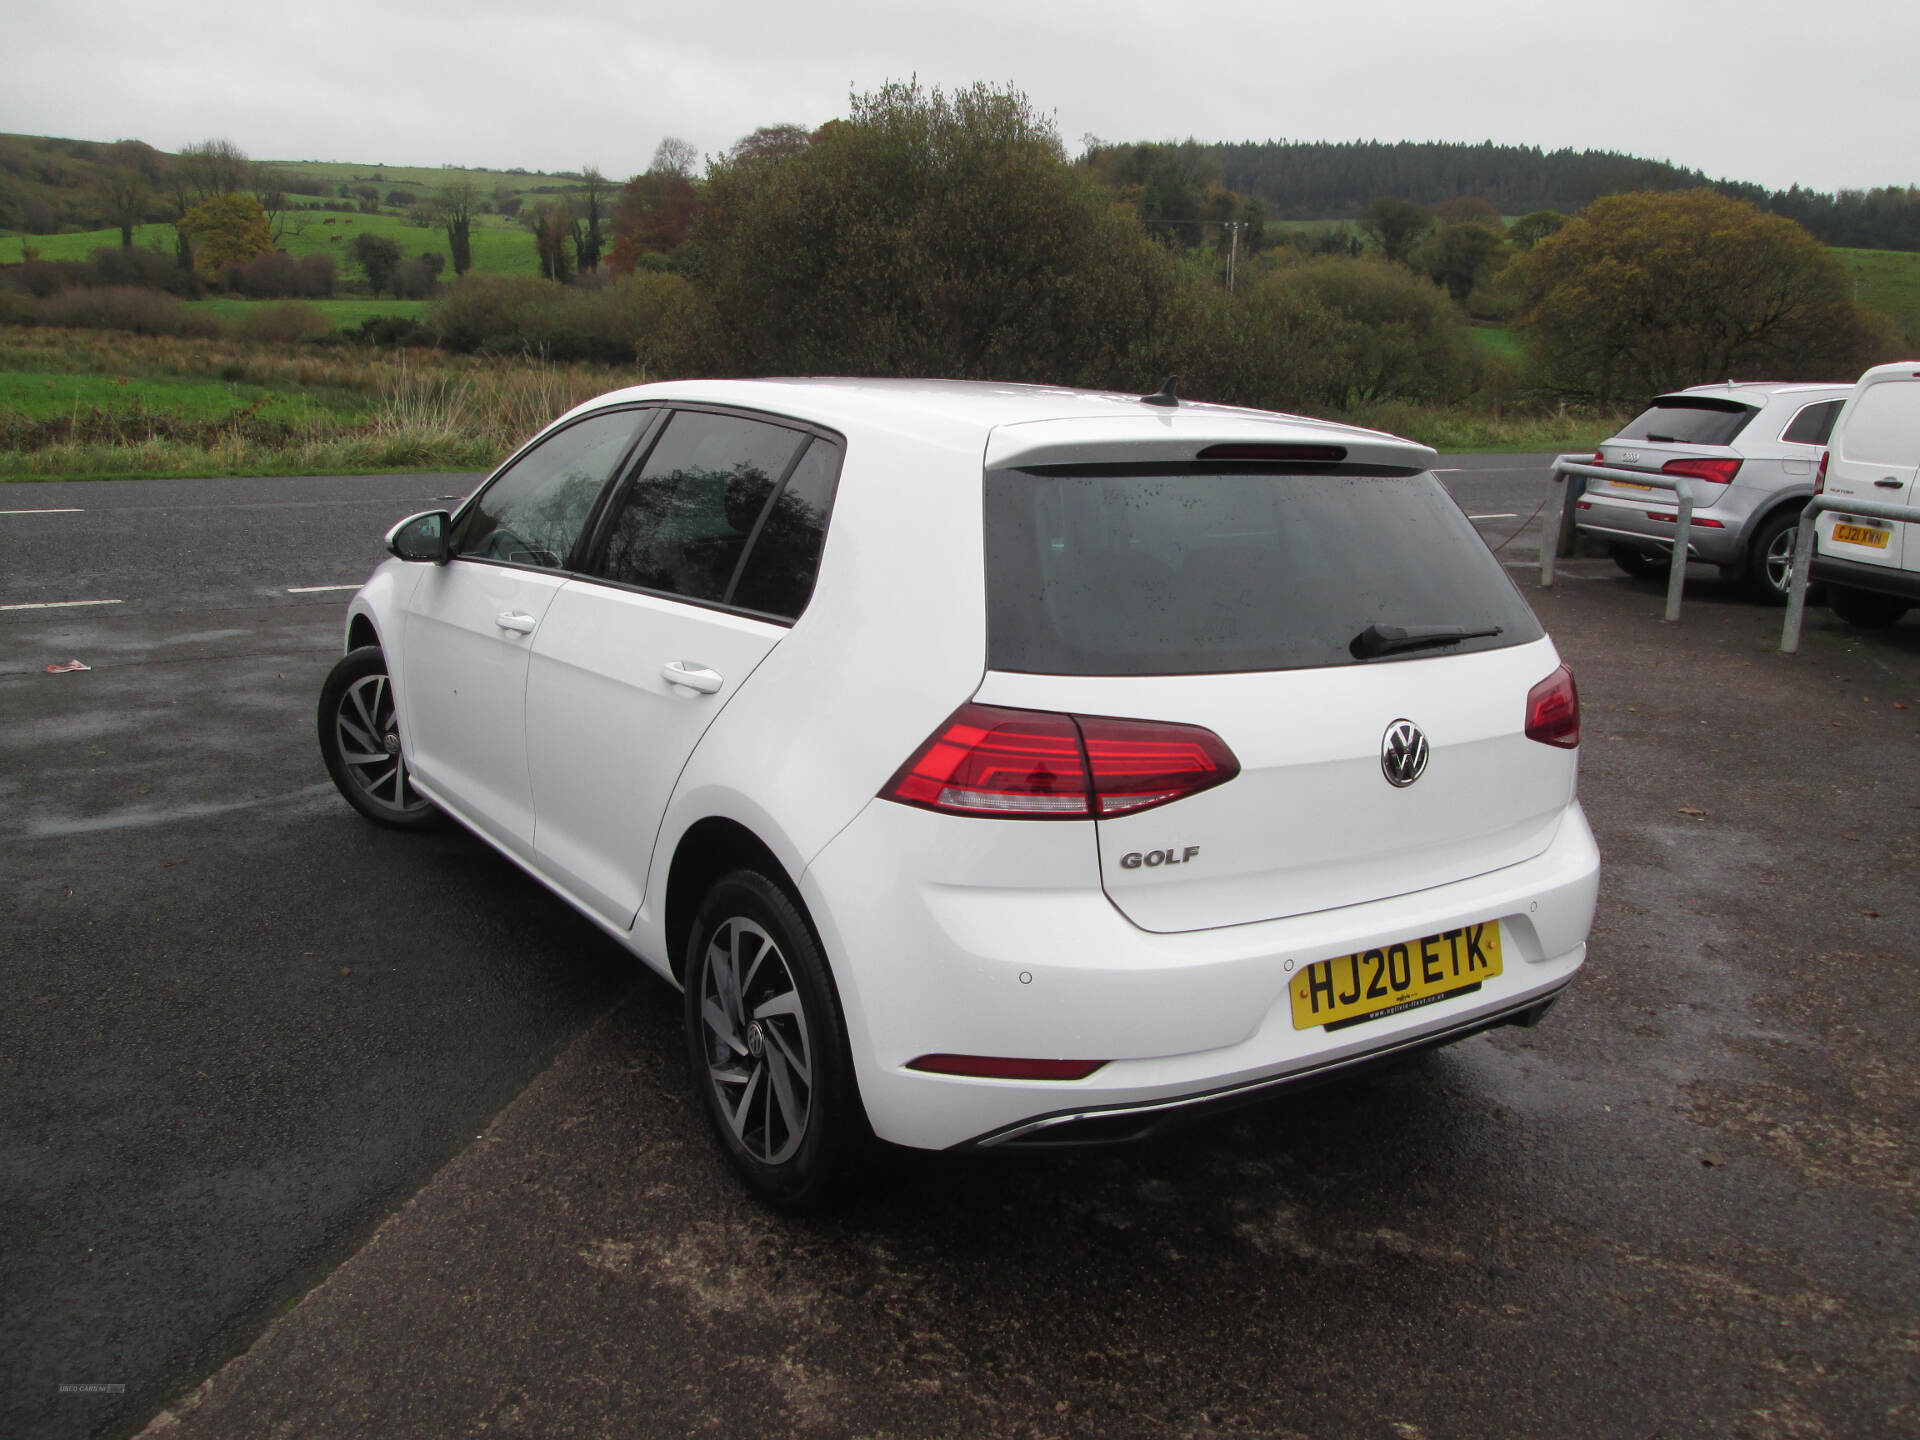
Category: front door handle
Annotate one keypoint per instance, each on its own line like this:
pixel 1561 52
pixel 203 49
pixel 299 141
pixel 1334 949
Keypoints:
pixel 518 623
pixel 1889 484
pixel 691 676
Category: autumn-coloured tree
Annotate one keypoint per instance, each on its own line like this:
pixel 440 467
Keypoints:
pixel 224 230
pixel 551 225
pixel 1649 292
pixel 652 217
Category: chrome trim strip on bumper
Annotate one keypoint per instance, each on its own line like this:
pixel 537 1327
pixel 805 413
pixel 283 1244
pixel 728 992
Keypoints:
pixel 1170 1108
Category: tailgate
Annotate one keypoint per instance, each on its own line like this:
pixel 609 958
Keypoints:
pixel 1312 821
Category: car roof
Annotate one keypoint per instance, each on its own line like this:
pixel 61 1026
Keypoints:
pixel 1758 392
pixel 1055 419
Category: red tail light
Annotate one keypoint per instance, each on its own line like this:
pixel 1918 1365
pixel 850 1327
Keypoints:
pixel 1553 710
pixel 1719 471
pixel 1820 475
pixel 1039 765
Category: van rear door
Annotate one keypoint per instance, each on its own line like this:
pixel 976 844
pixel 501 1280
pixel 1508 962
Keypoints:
pixel 1875 455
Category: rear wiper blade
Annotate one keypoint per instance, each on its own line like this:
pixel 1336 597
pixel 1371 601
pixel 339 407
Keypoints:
pixel 1378 640
pixel 1663 439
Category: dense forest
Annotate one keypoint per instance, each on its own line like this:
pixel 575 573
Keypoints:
pixel 1326 181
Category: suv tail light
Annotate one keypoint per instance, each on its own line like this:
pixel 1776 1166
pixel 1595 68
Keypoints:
pixel 1553 710
pixel 1041 765
pixel 1820 475
pixel 1720 471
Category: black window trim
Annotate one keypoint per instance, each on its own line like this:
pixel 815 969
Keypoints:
pixel 1794 419
pixel 571 568
pixel 600 528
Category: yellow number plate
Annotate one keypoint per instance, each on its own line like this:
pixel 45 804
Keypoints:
pixel 1862 535
pixel 1371 983
pixel 1628 485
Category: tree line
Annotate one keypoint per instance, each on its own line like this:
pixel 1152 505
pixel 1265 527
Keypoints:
pixel 1313 180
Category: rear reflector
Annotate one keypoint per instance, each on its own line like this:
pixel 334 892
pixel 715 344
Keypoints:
pixel 1553 710
pixel 1696 522
pixel 1041 765
pixel 994 1067
pixel 1720 471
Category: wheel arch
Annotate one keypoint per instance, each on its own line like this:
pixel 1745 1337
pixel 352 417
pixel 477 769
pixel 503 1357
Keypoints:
pixel 709 849
pixel 362 631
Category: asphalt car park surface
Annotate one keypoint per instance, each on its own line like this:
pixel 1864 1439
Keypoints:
pixel 243 1026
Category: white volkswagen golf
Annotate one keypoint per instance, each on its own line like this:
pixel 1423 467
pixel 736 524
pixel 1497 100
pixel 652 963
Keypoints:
pixel 989 764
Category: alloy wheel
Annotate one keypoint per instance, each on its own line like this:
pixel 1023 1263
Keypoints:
pixel 758 1048
pixel 369 737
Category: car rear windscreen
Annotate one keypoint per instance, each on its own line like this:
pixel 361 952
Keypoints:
pixel 1185 570
pixel 1690 420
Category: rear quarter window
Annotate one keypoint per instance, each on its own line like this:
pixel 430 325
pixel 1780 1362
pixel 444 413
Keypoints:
pixel 1813 424
pixel 1184 570
pixel 1689 420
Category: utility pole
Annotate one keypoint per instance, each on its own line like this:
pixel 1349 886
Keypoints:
pixel 1233 253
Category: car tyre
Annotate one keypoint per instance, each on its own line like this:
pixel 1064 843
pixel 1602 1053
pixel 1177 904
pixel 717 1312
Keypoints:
pixel 1769 570
pixel 767 1044
pixel 360 742
pixel 1864 609
pixel 1638 563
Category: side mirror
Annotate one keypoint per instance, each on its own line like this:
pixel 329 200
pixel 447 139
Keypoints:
pixel 422 537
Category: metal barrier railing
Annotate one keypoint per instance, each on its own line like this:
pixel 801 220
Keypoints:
pixel 1566 465
pixel 1803 552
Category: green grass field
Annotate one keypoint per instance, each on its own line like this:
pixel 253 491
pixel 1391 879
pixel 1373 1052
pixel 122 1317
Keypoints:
pixel 1887 281
pixel 1497 340
pixel 45 397
pixel 500 246
pixel 344 314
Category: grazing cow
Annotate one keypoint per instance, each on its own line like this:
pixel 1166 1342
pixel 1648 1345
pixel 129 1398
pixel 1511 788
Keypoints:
pixel 327 221
pixel 335 239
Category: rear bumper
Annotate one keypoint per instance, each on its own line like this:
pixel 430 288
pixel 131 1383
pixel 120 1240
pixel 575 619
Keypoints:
pixel 1616 519
pixel 1082 1127
pixel 1879 579
pixel 1040 965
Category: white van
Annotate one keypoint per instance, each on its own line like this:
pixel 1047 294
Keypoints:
pixel 1871 567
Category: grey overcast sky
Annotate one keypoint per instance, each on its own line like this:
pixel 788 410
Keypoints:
pixel 1772 91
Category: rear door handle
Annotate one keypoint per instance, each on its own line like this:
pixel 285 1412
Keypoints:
pixel 1889 484
pixel 516 622
pixel 691 675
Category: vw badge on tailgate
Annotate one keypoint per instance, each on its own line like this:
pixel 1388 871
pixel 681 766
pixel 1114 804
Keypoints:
pixel 1403 753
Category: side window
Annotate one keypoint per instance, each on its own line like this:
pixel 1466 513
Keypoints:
pixel 533 513
pixel 1814 423
pixel 780 569
pixel 684 523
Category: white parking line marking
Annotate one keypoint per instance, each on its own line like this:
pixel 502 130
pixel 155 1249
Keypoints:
pixel 42 512
pixel 57 604
pixel 317 589
pixel 1514 516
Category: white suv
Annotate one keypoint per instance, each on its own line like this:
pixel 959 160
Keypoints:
pixel 990 764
